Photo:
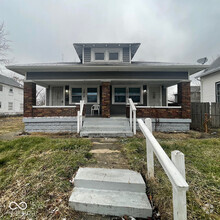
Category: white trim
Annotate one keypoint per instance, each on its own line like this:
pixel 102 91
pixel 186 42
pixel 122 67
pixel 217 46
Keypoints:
pixel 83 54
pixel 59 106
pixel 84 93
pixel 127 93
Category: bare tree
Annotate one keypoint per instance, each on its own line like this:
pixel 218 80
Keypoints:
pixel 4 44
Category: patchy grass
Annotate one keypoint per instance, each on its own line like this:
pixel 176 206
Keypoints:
pixel 202 157
pixel 37 170
pixel 11 124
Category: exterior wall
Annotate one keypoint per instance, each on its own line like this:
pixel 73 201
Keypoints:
pixel 106 100
pixel 15 97
pixel 208 87
pixel 52 112
pixel 29 98
pixel 51 124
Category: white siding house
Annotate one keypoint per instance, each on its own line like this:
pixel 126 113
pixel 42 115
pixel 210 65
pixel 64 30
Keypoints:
pixel 210 83
pixel 11 96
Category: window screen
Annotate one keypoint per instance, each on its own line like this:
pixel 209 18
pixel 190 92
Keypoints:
pixel 92 95
pixel 120 95
pixel 76 94
pixel 113 56
pixel 99 56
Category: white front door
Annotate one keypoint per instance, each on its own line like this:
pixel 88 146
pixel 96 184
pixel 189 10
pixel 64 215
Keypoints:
pixel 57 96
pixel 154 95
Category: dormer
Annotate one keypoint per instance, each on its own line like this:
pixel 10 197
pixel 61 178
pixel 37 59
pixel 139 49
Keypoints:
pixel 106 52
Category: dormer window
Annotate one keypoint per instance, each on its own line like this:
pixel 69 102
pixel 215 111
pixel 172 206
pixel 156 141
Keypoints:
pixel 99 56
pixel 113 56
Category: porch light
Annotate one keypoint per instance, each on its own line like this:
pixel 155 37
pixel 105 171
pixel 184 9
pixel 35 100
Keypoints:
pixel 66 90
pixel 145 91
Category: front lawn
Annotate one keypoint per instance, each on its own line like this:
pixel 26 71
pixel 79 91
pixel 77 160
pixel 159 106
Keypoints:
pixel 38 170
pixel 202 157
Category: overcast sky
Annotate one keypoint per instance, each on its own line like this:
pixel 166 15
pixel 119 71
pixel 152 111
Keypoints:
pixel 168 30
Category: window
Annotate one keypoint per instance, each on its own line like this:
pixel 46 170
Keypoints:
pixel 1 88
pixel 120 95
pixel 76 94
pixel 135 94
pixel 218 92
pixel 92 95
pixel 113 56
pixel 99 56
pixel 11 90
pixel 0 105
pixel 21 106
pixel 10 106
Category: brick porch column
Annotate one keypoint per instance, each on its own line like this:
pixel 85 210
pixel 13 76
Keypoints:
pixel 29 98
pixel 184 98
pixel 106 102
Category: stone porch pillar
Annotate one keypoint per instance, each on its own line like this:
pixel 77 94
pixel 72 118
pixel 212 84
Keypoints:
pixel 184 98
pixel 29 98
pixel 106 101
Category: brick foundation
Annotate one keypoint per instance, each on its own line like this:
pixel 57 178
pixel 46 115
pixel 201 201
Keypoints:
pixel 106 102
pixel 55 112
pixel 29 98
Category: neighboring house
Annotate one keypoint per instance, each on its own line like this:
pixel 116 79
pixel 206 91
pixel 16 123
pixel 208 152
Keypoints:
pixel 210 83
pixel 195 94
pixel 11 96
pixel 105 77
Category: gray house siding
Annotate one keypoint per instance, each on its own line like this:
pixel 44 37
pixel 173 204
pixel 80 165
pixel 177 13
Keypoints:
pixel 106 75
pixel 87 55
pixel 126 57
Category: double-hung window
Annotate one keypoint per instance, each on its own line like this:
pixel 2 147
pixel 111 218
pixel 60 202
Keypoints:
pixel 76 95
pixel 92 95
pixel 218 92
pixel 120 95
pixel 135 94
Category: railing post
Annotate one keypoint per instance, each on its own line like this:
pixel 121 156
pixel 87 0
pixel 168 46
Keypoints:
pixel 134 122
pixel 78 126
pixel 130 116
pixel 179 195
pixel 150 153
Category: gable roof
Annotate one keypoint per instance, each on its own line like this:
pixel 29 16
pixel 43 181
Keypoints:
pixel 9 81
pixel 78 47
pixel 214 67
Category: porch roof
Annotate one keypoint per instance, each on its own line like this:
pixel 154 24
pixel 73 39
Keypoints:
pixel 105 67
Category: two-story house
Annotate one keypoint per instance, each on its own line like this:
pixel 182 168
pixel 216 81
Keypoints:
pixel 104 78
pixel 11 96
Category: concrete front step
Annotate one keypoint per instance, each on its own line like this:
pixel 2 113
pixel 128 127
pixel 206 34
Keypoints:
pixel 108 202
pixel 115 192
pixel 109 179
pixel 105 134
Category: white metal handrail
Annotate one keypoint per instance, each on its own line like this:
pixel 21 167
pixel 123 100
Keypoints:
pixel 132 115
pixel 174 169
pixel 80 115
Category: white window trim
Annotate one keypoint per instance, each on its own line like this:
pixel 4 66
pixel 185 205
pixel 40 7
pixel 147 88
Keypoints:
pixel 127 94
pixel 106 52
pixel 84 93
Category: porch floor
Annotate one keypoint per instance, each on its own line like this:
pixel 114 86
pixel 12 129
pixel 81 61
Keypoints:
pixel 106 127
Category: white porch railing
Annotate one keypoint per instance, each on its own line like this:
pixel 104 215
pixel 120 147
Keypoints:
pixel 174 169
pixel 132 115
pixel 80 116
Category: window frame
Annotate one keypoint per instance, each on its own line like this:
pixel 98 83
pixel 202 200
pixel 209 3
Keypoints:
pixel 1 86
pixel 70 93
pixel 86 94
pixel 11 88
pixel 127 94
pixel 0 104
pixel 216 93
pixel 10 109
pixel 106 52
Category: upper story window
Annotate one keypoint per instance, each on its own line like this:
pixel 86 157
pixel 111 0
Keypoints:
pixel 218 92
pixel 106 55
pixel 99 56
pixel 1 88
pixel 11 90
pixel 113 56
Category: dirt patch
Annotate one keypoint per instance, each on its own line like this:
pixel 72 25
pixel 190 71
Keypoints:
pixel 104 151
